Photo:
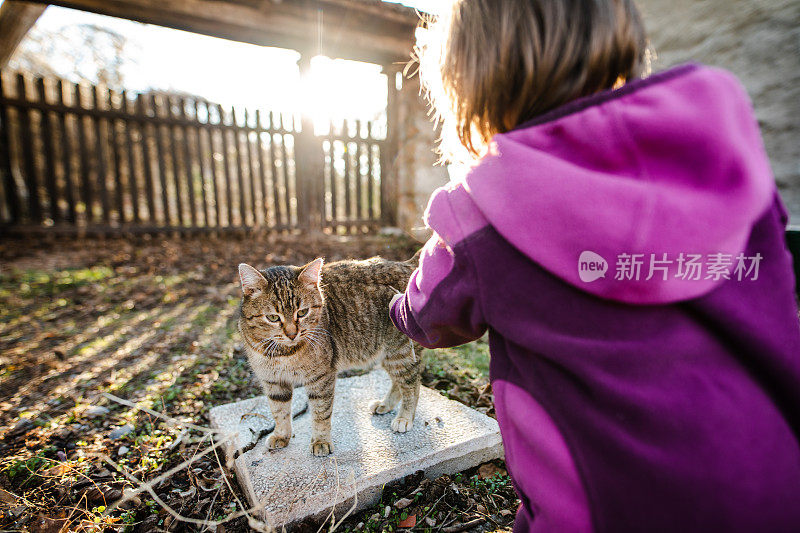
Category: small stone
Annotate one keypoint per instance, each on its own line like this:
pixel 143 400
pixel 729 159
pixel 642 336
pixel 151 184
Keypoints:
pixel 96 410
pixel 375 517
pixel 20 428
pixel 359 526
pixel 403 503
pixel 133 500
pixel 481 509
pixel 466 429
pixel 62 456
pixel 488 470
pixel 237 347
pixel 387 512
pixel 505 512
pixel 430 521
pixel 122 451
pixel 120 432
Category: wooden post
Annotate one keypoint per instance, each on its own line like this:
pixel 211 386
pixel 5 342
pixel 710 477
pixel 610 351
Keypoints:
pixel 16 18
pixel 309 164
pixel 389 175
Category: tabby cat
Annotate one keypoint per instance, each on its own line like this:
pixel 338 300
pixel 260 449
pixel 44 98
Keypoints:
pixel 303 325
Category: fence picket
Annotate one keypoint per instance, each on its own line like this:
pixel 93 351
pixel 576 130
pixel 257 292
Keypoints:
pixel 226 161
pixel 49 160
pixel 201 164
pixel 261 174
pixel 274 177
pixel 162 165
pixel 31 178
pixel 84 168
pixel 174 155
pixel 66 155
pixel 10 188
pixel 187 162
pixel 285 171
pixel 105 161
pixel 370 173
pixel 237 147
pixel 250 171
pixel 100 153
pixel 358 176
pixel 133 182
pixel 116 159
pixel 141 109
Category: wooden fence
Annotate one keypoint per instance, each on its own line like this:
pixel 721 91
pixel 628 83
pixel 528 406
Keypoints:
pixel 81 159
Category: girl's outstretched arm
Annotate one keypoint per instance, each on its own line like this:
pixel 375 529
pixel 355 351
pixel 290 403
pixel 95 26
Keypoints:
pixel 440 307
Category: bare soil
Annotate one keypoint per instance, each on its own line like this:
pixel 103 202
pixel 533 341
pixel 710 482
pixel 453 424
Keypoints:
pixel 153 322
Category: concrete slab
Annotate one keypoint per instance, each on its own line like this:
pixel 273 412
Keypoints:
pixel 291 484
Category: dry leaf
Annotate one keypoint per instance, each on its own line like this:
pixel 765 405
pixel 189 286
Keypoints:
pixel 411 521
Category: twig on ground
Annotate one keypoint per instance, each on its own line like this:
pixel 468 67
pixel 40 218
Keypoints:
pixel 162 416
pixel 465 526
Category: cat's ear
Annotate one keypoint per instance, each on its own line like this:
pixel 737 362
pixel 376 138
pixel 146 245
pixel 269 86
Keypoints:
pixel 252 280
pixel 311 273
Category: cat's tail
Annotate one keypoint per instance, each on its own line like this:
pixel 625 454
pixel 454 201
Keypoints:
pixel 415 259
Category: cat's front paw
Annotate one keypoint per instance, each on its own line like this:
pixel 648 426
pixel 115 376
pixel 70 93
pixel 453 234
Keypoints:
pixel 379 408
pixel 275 442
pixel 321 448
pixel 401 424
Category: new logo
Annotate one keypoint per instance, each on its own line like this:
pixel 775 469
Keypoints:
pixel 591 266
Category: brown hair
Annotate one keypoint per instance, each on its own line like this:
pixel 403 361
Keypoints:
pixel 500 63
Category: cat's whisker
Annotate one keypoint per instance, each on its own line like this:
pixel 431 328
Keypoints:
pixel 320 329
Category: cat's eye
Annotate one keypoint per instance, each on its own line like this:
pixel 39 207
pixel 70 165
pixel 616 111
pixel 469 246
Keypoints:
pixel 273 318
pixel 302 312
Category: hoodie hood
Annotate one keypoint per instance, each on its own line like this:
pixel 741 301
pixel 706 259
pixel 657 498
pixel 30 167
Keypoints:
pixel 673 164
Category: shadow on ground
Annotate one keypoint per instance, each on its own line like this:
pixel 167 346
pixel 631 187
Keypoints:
pixel 153 322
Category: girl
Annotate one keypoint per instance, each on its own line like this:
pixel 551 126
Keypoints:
pixel 622 241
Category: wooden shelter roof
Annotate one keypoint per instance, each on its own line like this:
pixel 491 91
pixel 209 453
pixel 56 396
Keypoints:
pixel 361 30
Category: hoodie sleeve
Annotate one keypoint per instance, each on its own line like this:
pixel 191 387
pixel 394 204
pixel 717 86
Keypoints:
pixel 440 307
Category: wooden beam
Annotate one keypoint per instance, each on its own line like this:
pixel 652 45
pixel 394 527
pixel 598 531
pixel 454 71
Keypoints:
pixel 16 18
pixel 356 30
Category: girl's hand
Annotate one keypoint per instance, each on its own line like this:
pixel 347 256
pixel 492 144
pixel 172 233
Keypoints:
pixel 394 299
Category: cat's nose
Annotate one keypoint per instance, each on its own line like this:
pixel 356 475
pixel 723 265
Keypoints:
pixel 291 332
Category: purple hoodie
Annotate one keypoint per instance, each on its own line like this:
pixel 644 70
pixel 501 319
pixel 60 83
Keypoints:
pixel 627 255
